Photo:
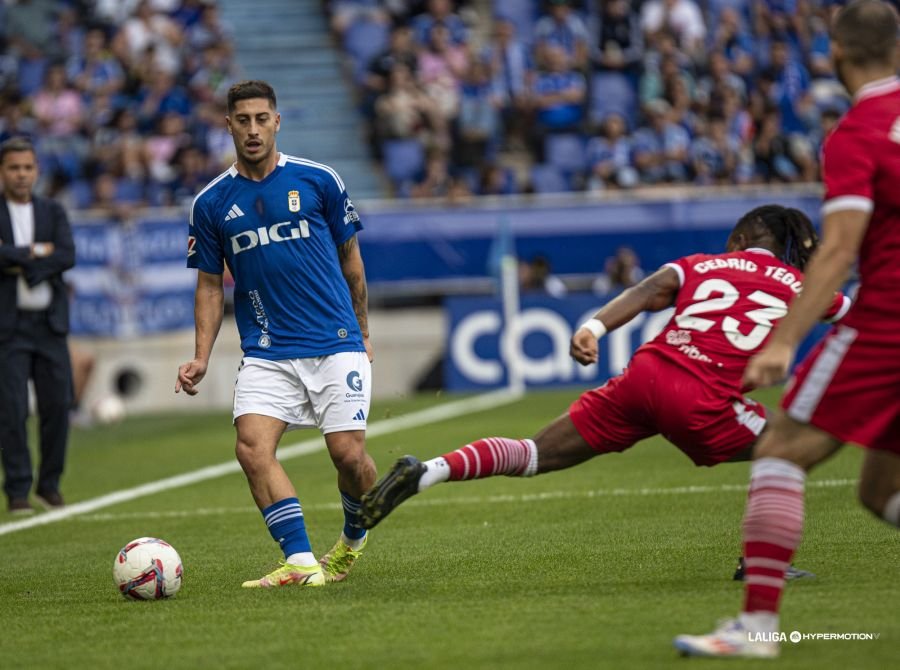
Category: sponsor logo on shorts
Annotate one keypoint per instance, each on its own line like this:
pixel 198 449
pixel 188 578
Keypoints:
pixel 359 416
pixel 354 381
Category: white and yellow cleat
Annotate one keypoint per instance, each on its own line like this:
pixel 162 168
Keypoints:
pixel 338 561
pixel 730 640
pixel 289 575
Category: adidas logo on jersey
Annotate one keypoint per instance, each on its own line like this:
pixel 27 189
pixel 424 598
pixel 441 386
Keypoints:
pixel 359 416
pixel 234 213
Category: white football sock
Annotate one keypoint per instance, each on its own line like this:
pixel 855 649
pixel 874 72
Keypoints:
pixel 304 558
pixel 353 544
pixel 438 470
pixel 760 622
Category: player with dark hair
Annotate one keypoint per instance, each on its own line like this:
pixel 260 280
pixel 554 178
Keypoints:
pixel 848 388
pixel 286 228
pixel 685 384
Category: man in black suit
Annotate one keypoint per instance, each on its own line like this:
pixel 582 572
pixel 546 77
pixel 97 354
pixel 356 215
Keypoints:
pixel 35 249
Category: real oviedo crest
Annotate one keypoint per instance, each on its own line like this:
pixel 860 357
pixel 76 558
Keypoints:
pixel 294 201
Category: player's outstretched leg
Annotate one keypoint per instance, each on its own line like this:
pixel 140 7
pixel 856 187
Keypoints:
pixel 401 482
pixel 487 457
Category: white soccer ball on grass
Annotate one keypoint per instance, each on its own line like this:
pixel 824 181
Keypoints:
pixel 148 569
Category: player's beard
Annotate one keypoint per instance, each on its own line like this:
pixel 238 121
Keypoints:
pixel 256 159
pixel 839 65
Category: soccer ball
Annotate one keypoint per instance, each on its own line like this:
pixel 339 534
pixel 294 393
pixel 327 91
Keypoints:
pixel 108 409
pixel 147 569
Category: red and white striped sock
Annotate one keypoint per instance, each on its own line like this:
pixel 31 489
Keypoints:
pixel 493 456
pixel 773 526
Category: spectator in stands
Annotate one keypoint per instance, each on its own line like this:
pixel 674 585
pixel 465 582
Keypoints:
pixel 661 149
pixel 682 17
pixel 620 272
pixel 14 118
pixel 772 151
pixel 96 72
pixel 159 95
pixel 714 153
pixel 610 156
pixel 345 13
pixel 215 75
pixel 511 68
pixel 494 179
pixel 440 12
pixel 535 276
pixel 791 91
pixel 161 147
pixel 479 117
pixel 404 111
pixel 192 173
pixel 733 39
pixel 437 181
pixel 719 77
pixel 401 49
pixel 620 44
pixel 558 97
pixel 564 29
pixel 442 65
pixel 149 33
pixel 59 111
pixel 118 147
pixel 209 30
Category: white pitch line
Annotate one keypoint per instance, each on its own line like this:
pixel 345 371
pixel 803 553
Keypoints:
pixel 543 496
pixel 450 410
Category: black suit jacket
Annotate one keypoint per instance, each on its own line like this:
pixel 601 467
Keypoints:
pixel 50 225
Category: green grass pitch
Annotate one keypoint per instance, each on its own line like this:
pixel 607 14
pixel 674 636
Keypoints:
pixel 595 567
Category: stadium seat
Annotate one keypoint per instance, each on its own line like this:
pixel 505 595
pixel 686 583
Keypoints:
pixel 613 92
pixel 403 160
pixel 521 13
pixel 548 179
pixel 566 152
pixel 364 40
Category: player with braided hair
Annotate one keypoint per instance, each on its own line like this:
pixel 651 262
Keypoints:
pixel 685 384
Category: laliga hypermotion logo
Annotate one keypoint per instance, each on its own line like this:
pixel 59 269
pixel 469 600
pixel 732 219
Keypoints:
pixel 192 243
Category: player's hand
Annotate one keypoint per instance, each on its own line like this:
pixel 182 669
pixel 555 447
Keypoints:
pixel 769 366
pixel 584 347
pixel 189 375
pixel 370 352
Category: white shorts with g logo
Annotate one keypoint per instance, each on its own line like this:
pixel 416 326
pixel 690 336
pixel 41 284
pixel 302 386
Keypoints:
pixel 331 393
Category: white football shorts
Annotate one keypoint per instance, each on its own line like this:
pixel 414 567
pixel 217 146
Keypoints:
pixel 331 393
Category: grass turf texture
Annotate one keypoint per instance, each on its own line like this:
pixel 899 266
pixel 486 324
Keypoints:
pixel 573 569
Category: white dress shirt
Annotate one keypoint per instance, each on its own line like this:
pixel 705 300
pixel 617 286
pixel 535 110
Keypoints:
pixel 36 297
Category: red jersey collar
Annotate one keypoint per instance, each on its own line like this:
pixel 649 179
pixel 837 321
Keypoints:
pixel 877 87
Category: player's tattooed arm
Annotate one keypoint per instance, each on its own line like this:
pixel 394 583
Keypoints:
pixel 653 294
pixel 355 275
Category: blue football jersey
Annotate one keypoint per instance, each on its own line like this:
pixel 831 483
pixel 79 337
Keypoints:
pixel 279 238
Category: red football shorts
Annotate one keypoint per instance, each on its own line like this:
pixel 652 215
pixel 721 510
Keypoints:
pixel 654 396
pixel 849 386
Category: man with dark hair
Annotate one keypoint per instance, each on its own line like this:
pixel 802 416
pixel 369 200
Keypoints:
pixel 848 388
pixel 685 384
pixel 286 228
pixel 35 249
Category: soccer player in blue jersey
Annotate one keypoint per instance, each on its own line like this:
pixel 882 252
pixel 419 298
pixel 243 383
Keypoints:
pixel 286 229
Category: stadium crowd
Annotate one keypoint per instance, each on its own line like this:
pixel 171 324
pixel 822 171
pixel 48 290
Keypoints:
pixel 123 99
pixel 594 94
